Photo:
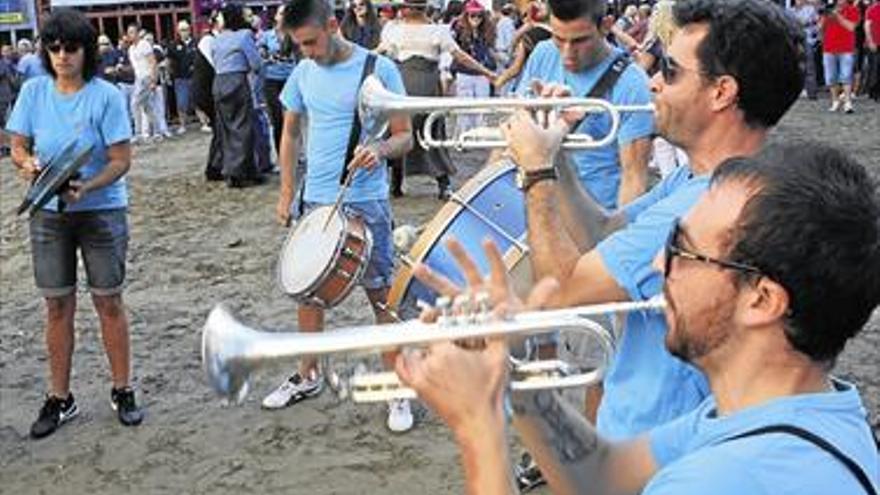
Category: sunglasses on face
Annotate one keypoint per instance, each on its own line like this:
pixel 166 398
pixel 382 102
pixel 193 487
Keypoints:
pixel 670 69
pixel 673 249
pixel 476 16
pixel 68 47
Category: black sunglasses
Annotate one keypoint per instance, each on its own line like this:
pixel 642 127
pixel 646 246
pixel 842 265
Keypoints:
pixel 670 69
pixel 672 249
pixel 68 46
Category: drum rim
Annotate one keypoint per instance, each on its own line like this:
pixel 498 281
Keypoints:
pixel 310 290
pixel 435 228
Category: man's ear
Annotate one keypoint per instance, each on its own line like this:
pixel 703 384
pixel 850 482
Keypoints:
pixel 767 302
pixel 726 92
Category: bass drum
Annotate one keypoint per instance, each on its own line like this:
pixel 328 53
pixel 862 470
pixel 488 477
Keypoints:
pixel 489 205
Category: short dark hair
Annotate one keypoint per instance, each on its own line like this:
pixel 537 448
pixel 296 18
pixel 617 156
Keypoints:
pixel 757 43
pixel 812 226
pixel 298 13
pixel 72 26
pixel 233 17
pixel 569 10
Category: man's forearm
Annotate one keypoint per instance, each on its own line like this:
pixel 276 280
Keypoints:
pixel 484 460
pixel 634 159
pixel 565 446
pixel 552 251
pixel 116 168
pixel 287 158
pixel 396 145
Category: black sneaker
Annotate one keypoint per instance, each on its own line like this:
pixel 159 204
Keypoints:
pixel 122 401
pixel 528 475
pixel 54 413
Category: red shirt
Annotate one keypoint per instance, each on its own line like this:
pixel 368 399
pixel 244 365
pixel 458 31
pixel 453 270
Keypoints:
pixel 873 15
pixel 836 38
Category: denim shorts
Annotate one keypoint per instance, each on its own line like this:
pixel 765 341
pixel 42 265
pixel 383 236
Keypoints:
pixel 376 214
pixel 838 68
pixel 100 235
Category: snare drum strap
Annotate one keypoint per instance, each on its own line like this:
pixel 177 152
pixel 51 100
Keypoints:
pixel 355 134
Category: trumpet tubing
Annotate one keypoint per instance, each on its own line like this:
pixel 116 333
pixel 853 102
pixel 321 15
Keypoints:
pixel 376 104
pixel 231 351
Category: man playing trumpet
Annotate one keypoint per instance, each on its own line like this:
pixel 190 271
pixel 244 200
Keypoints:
pixel 766 279
pixel 714 98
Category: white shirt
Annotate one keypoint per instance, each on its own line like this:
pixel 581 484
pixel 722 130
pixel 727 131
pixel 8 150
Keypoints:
pixel 206 46
pixel 139 54
pixel 401 41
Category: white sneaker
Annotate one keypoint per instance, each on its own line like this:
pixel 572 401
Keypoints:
pixel 848 107
pixel 834 106
pixel 400 418
pixel 293 390
pixel 181 130
pixel 205 128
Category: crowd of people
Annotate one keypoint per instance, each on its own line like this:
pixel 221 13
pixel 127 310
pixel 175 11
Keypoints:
pixel 728 390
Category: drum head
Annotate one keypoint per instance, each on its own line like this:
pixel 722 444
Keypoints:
pixel 309 250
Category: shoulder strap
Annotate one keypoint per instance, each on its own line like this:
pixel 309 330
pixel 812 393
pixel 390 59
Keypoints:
pixel 607 80
pixel 818 441
pixel 355 134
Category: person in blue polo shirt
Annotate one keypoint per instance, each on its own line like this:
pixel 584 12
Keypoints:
pixel 715 100
pixel 323 89
pixel 578 57
pixel 73 103
pixel 766 279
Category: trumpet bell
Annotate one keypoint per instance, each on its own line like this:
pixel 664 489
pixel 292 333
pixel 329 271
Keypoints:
pixel 223 337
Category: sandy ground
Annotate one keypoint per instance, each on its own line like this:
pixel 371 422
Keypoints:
pixel 194 245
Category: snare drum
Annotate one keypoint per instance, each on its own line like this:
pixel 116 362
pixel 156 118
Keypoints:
pixel 489 205
pixel 320 265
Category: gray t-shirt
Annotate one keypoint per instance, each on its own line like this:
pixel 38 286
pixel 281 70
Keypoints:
pixel 809 18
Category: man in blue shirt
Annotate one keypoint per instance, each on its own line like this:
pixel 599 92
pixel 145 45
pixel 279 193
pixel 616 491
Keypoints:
pixel 714 102
pixel 765 280
pixel 323 89
pixel 578 56
pixel 30 64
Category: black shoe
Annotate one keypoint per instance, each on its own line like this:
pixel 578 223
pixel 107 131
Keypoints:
pixel 122 401
pixel 54 413
pixel 212 176
pixel 528 475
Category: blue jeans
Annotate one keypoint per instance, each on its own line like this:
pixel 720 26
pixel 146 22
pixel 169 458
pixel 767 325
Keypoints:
pixel 100 235
pixel 376 214
pixel 181 96
pixel 838 68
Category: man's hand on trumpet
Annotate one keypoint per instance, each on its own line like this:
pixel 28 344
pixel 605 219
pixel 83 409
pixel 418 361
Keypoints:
pixel 437 373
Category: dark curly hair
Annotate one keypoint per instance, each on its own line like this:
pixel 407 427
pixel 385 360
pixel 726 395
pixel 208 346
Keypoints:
pixel 569 10
pixel 757 43
pixel 69 25
pixel 813 226
pixel 298 13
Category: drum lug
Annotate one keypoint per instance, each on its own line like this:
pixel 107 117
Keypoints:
pixel 350 253
pixel 344 274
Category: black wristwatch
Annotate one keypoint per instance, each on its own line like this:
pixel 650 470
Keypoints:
pixel 525 179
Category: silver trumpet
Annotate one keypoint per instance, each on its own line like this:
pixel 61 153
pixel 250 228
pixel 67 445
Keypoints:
pixel 376 104
pixel 231 351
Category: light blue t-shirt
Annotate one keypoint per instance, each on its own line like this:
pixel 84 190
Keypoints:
pixel 96 113
pixel 694 459
pixel 327 95
pixel 30 66
pixel 276 69
pixel 645 385
pixel 598 169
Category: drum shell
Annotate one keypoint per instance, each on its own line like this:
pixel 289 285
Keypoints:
pixel 489 205
pixel 346 268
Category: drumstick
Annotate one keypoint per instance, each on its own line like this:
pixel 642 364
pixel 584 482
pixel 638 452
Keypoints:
pixel 339 197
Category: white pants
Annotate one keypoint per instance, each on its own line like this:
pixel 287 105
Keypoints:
pixel 142 108
pixel 468 86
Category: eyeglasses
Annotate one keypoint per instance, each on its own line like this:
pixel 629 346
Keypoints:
pixel 68 47
pixel 670 69
pixel 672 249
